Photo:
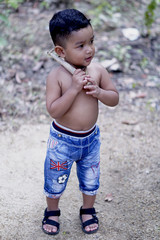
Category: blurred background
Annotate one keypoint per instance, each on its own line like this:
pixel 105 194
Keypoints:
pixel 127 39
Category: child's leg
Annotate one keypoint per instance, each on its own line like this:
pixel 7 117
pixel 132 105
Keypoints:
pixel 52 205
pixel 88 202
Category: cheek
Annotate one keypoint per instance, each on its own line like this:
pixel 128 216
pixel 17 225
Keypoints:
pixel 70 56
pixel 93 49
pixel 74 56
pixel 77 55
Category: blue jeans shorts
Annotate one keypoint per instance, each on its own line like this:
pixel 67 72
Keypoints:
pixel 65 147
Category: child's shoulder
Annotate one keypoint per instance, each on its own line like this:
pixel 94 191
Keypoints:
pixel 57 72
pixel 96 65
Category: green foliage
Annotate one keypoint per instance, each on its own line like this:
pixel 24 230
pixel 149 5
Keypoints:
pixel 3 42
pixel 144 62
pixel 150 105
pixel 108 8
pixel 149 15
pixel 134 85
pixel 121 52
pixel 5 8
pixel 4 18
pixel 99 7
pixel 12 3
pixel 44 4
pixel 5 5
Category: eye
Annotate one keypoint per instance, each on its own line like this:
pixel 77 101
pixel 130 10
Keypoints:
pixel 92 40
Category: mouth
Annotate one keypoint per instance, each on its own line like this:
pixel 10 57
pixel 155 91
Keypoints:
pixel 88 59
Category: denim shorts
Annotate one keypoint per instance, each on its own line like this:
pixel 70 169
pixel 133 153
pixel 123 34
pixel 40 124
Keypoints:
pixel 63 149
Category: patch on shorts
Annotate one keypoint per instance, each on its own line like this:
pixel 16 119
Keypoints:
pixel 59 166
pixel 62 179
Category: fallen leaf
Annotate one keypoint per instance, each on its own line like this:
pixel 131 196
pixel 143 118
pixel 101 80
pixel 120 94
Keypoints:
pixel 129 123
pixel 134 95
pixel 141 95
pixel 37 66
pixel 20 76
pixel 108 197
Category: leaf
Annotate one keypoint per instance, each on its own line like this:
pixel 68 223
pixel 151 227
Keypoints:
pixel 18 80
pixel 14 3
pixel 4 18
pixel 3 42
pixel 149 16
pixel 129 123
pixel 108 197
pixel 37 66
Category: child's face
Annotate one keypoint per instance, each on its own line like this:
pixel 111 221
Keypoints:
pixel 79 49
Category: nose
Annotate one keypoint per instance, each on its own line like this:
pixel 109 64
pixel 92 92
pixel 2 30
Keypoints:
pixel 89 49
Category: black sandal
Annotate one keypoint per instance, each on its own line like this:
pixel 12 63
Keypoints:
pixel 90 211
pixel 50 222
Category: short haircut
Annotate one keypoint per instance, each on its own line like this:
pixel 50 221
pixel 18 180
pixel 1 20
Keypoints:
pixel 64 22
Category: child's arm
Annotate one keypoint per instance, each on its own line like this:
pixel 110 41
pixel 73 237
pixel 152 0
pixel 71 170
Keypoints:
pixel 106 92
pixel 56 103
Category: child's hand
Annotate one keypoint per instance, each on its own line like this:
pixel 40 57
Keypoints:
pixel 78 80
pixel 91 87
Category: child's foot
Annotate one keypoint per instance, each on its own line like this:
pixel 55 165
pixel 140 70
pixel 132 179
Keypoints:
pixel 89 220
pixel 90 227
pixel 50 228
pixel 50 224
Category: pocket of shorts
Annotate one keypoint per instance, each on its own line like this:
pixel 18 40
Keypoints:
pixel 57 148
pixel 52 143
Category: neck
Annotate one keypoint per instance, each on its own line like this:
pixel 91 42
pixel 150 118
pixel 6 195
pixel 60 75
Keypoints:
pixel 83 68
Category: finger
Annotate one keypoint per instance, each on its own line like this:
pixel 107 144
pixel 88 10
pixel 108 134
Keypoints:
pixel 89 83
pixel 90 92
pixel 88 77
pixel 84 82
pixel 89 86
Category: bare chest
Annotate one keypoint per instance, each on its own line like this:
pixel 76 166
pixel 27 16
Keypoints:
pixel 66 82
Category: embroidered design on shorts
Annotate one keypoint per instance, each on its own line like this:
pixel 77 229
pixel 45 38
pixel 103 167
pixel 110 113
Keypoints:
pixel 59 166
pixel 52 143
pixel 62 179
pixel 95 169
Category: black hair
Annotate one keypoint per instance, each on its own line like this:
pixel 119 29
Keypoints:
pixel 64 22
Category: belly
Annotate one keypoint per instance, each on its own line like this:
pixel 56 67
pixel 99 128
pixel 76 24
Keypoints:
pixel 82 115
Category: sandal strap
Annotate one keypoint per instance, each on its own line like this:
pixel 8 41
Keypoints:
pixel 90 211
pixel 51 222
pixel 89 222
pixel 51 213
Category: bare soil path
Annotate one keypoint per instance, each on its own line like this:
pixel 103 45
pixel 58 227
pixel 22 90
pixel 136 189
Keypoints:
pixel 130 170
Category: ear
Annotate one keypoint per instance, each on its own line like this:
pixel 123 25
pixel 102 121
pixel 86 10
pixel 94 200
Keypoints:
pixel 60 51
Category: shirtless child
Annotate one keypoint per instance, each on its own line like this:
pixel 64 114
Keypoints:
pixel 73 104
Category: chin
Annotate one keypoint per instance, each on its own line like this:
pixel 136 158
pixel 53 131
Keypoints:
pixel 80 66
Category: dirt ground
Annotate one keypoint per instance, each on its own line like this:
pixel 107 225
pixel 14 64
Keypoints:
pixel 130 149
pixel 130 170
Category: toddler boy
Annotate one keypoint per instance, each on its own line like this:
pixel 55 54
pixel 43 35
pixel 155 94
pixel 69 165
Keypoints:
pixel 72 101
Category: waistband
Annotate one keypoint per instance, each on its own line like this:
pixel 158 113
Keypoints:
pixel 71 132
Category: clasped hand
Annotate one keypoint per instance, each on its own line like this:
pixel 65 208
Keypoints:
pixel 82 81
pixel 91 87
